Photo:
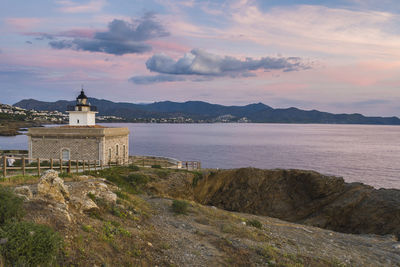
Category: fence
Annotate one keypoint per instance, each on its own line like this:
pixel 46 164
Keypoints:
pixel 14 165
pixel 164 162
pixel 20 165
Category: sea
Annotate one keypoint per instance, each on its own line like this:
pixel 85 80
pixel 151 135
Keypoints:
pixel 359 153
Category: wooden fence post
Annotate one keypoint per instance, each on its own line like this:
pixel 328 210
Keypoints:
pixel 51 163
pixel 23 166
pixel 88 164
pixel 101 164
pixel 4 166
pixel 69 166
pixel 95 165
pixel 38 166
pixel 77 166
pixel 61 165
pixel 83 166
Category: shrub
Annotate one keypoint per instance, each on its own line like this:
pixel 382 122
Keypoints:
pixel 156 166
pixel 254 223
pixel 134 168
pixel 137 179
pixel 197 177
pixel 91 196
pixel 180 206
pixel 121 195
pixel 10 206
pixel 29 244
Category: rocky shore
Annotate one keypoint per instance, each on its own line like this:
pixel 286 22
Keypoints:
pixel 12 128
pixel 304 197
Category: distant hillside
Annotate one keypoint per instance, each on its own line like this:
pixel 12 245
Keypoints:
pixel 202 111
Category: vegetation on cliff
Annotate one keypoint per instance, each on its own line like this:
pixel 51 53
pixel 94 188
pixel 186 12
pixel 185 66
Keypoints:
pixel 127 216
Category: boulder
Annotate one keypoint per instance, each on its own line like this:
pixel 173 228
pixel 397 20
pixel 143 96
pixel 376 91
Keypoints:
pixel 96 187
pixel 24 191
pixel 80 191
pixel 52 187
pixel 83 204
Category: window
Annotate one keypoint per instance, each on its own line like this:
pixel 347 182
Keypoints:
pixel 65 155
pixel 124 151
pixel 77 121
pixel 116 150
pixel 109 154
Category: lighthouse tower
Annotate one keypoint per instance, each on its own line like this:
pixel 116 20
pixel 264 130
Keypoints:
pixel 82 114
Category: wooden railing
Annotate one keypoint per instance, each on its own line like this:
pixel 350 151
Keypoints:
pixel 14 165
pixel 22 165
pixel 164 162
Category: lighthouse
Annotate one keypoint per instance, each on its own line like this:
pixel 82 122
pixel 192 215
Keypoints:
pixel 82 114
pixel 81 139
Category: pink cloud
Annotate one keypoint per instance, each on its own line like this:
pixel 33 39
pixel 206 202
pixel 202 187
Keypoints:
pixel 68 6
pixel 363 74
pixel 24 24
pixel 170 46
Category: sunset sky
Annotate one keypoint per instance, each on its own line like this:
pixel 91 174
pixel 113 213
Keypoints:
pixel 337 56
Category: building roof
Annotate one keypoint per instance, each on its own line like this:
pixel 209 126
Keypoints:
pixel 82 95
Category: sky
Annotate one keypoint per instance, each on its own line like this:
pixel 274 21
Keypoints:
pixel 338 56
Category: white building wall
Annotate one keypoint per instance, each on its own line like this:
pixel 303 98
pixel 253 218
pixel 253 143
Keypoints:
pixel 82 118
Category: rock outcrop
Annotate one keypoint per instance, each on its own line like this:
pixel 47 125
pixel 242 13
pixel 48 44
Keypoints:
pixel 96 188
pixel 305 197
pixel 23 191
pixel 52 187
pixel 65 200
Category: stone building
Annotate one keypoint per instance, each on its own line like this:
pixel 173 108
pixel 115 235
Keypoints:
pixel 82 139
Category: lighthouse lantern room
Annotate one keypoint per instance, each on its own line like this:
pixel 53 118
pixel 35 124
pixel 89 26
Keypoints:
pixel 82 114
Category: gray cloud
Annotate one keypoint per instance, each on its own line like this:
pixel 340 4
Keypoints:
pixel 121 37
pixel 28 42
pixel 140 30
pixel 109 47
pixel 155 79
pixel 42 36
pixel 200 62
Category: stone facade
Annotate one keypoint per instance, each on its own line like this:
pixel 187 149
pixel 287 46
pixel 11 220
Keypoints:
pixel 79 143
pixel 116 148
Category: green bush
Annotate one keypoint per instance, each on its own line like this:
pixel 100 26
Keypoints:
pixel 121 195
pixel 180 206
pixel 29 244
pixel 197 177
pixel 10 206
pixel 156 166
pixel 91 196
pixel 134 168
pixel 255 223
pixel 137 179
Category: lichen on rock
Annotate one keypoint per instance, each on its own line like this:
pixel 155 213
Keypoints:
pixel 23 191
pixel 52 187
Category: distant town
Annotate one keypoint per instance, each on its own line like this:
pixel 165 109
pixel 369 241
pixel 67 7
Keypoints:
pixel 60 117
pixel 42 115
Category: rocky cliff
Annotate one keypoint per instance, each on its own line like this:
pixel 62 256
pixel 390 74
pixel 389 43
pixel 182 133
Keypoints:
pixel 125 216
pixel 305 197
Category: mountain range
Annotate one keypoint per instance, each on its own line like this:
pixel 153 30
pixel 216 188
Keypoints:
pixel 205 112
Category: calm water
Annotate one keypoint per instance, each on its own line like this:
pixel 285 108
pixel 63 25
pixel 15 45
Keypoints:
pixel 368 154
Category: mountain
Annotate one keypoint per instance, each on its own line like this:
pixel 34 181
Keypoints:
pixel 203 111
